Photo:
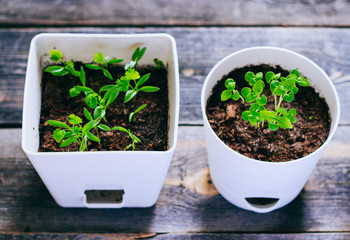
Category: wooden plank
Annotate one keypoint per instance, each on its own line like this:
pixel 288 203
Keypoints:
pixel 199 49
pixel 187 203
pixel 162 236
pixel 180 12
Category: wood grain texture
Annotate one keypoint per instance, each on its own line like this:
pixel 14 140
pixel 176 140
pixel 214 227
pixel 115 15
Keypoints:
pixel 175 236
pixel 179 12
pixel 187 202
pixel 199 49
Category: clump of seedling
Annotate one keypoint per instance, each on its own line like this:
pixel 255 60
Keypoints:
pixel 282 89
pixel 131 83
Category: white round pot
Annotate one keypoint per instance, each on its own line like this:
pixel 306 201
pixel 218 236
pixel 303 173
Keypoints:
pixel 135 178
pixel 238 177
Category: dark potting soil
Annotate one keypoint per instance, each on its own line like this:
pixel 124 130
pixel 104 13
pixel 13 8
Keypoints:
pixel 308 134
pixel 151 125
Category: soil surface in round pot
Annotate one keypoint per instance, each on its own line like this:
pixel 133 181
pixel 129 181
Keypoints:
pixel 309 132
pixel 150 125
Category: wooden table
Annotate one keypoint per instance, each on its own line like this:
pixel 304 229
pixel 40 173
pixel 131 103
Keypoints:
pixel 188 206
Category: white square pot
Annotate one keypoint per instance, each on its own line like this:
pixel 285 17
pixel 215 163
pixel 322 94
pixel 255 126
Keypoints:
pixel 238 177
pixel 67 175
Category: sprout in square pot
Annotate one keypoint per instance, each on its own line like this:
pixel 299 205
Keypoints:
pixel 268 115
pixel 100 116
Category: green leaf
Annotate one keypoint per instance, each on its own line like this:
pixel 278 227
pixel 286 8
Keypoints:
pixel 83 145
pixel 130 116
pixel 288 84
pixel 236 96
pixel 135 54
pixel 277 76
pixel 58 135
pixel 104 127
pixel 75 73
pixel 89 126
pixel 295 72
pixel 54 69
pixel 246 115
pixel 248 76
pixel 245 92
pixel 295 90
pixel 93 66
pixel 120 129
pixel 87 115
pixel 284 122
pixel 292 112
pixel 292 119
pixel 273 85
pixel 112 61
pixel 140 108
pixel 123 84
pixel 73 92
pixel 251 97
pixel 99 58
pixel 283 111
pixel 70 66
pixel 143 79
pixel 129 95
pixel 98 112
pixel 254 111
pixel 91 100
pixel 133 137
pixel 253 121
pixel 279 91
pixel 68 141
pixel 149 89
pixel 55 55
pixel 261 100
pixel 74 119
pixel 158 63
pixel 82 76
pixel 92 137
pixel 270 116
pixel 289 97
pixel 107 73
pixel 273 126
pixel 258 87
pixel 113 94
pixel 230 84
pixel 226 95
pixel 303 82
pixel 132 74
pixel 269 76
pixel 57 124
pixel 85 89
pixel 106 88
pixel 259 76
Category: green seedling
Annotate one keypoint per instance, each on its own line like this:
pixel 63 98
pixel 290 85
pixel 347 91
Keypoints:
pixel 102 64
pixel 132 114
pixel 136 57
pixel 76 133
pixel 131 83
pixel 68 67
pixel 159 63
pixel 134 139
pixel 282 88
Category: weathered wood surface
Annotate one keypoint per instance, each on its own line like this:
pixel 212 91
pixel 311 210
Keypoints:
pixel 163 12
pixel 187 203
pixel 176 236
pixel 199 49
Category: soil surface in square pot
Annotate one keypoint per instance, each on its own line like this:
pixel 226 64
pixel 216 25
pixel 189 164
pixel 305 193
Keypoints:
pixel 308 133
pixel 151 125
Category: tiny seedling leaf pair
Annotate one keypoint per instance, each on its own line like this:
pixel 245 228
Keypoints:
pixel 282 89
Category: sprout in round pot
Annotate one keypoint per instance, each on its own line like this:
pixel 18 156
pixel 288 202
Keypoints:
pixel 265 126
